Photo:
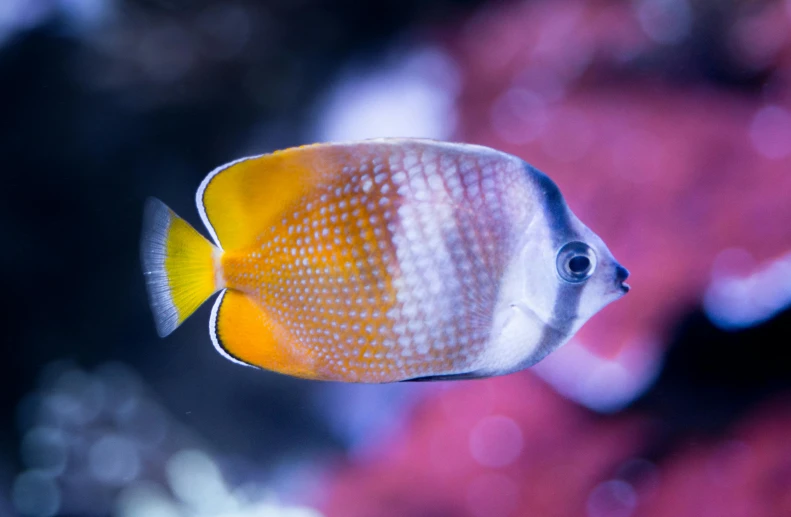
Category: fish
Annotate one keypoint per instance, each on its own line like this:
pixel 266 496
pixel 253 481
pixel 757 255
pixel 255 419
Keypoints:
pixel 379 261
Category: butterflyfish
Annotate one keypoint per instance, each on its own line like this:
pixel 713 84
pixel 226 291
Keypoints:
pixel 380 260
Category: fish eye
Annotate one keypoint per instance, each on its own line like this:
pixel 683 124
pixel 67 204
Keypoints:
pixel 575 262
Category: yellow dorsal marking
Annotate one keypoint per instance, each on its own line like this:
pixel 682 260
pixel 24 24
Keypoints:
pixel 249 195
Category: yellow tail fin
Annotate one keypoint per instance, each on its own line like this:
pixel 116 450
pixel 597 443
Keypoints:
pixel 179 264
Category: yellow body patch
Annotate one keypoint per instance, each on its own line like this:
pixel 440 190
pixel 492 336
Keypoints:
pixel 324 272
pixel 247 332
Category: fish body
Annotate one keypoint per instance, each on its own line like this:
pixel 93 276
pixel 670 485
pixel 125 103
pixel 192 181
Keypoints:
pixel 380 261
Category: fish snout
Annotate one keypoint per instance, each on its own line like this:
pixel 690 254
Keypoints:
pixel 621 274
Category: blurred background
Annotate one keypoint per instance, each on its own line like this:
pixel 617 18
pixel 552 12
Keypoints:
pixel 666 123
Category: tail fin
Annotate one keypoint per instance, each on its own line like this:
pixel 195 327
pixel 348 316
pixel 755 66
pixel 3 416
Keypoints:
pixel 179 264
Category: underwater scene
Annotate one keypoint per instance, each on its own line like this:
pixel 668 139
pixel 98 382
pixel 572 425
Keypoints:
pixel 569 219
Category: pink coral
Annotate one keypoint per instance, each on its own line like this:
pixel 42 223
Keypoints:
pixel 670 174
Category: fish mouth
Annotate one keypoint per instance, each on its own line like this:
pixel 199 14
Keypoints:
pixel 621 274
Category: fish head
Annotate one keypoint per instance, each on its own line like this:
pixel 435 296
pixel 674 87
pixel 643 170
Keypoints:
pixel 587 276
pixel 569 276
pixel 560 274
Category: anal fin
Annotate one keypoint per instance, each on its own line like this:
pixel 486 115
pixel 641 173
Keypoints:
pixel 244 333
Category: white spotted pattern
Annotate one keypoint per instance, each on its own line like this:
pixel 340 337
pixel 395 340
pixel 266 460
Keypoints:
pixel 391 269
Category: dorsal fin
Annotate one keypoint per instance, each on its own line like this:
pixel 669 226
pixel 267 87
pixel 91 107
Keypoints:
pixel 241 198
pixel 237 200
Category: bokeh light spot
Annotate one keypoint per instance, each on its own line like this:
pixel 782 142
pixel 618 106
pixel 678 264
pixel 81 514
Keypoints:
pixel 46 449
pixel 614 498
pixel 412 97
pixel 122 385
pixel 770 132
pixel 87 393
pixel 196 480
pixel 114 460
pixel 143 420
pixel 664 21
pixel 519 116
pixel 734 300
pixel 35 494
pixel 146 500
pixel 642 474
pixel 496 441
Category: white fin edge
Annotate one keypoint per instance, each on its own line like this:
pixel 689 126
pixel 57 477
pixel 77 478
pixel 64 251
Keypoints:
pixel 202 189
pixel 215 339
pixel 153 250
